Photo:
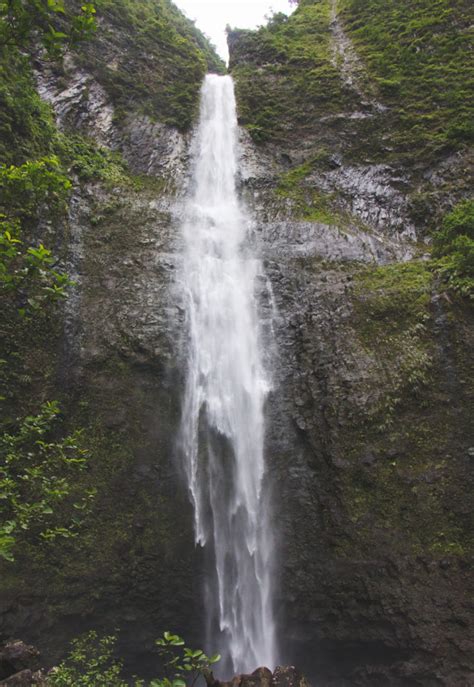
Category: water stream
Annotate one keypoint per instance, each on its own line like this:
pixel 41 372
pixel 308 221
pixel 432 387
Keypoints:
pixel 226 388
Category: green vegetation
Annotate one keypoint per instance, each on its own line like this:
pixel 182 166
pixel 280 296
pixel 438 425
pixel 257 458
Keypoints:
pixel 26 125
pixel 27 188
pixel 184 665
pixel 419 54
pixel 454 246
pixel 394 296
pixel 37 475
pixel 41 498
pixel 28 278
pixel 91 663
pixel 415 60
pixel 150 59
pixel 37 498
pixel 31 283
pixel 285 75
pixel 391 305
pixel 49 22
pixel 403 495
pixel 89 161
pixel 307 201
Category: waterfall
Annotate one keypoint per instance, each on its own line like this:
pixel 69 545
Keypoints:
pixel 226 387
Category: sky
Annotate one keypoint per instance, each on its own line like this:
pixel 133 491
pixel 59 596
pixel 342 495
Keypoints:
pixel 212 16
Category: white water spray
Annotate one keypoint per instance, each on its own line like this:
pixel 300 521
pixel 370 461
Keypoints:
pixel 223 422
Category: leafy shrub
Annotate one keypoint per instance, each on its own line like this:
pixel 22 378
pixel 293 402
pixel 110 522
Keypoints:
pixel 454 248
pixel 24 189
pixel 36 477
pixel 26 123
pixel 184 665
pixel 90 663
pixel 28 276
pixel 50 21
pixel 88 160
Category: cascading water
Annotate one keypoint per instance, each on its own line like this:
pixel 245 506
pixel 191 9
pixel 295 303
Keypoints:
pixel 223 420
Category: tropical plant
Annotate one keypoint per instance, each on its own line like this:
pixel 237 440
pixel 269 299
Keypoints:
pixel 37 473
pixel 49 22
pixel 92 663
pixel 184 665
pixel 454 248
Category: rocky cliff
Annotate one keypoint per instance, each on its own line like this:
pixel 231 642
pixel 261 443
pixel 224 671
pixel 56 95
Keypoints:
pixel 369 443
pixel 373 460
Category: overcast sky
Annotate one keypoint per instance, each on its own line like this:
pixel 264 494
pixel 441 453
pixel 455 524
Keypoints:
pixel 212 16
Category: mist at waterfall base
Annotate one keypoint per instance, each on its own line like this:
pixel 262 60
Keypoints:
pixel 222 430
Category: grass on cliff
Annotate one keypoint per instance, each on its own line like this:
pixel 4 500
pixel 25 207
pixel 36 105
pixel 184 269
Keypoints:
pixel 416 57
pixel 150 58
pixel 285 76
pixel 454 248
pixel 420 55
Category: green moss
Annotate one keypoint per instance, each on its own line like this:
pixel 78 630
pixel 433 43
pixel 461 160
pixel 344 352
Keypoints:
pixel 392 297
pixel 310 203
pixel 391 313
pixel 405 471
pixel 150 59
pixel 406 493
pixel 415 60
pixel 419 55
pixel 454 245
pixel 285 76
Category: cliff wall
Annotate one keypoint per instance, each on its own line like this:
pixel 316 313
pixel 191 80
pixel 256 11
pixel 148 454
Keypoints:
pixel 369 443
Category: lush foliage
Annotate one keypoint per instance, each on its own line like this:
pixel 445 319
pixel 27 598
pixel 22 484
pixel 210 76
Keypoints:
pixel 26 189
pixel 157 59
pixel 454 246
pixel 48 21
pixel 184 665
pixel 31 282
pixel 285 74
pixel 26 125
pixel 28 277
pixel 419 52
pixel 92 663
pixel 37 474
pixel 88 161
pixel 28 274
pixel 415 59
pixel 40 499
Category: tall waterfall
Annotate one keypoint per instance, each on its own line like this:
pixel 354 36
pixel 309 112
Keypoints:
pixel 223 421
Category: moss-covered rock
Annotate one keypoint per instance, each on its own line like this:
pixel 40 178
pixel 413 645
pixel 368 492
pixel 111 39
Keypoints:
pixel 150 59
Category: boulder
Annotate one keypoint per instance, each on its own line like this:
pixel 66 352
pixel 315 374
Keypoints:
pixel 16 657
pixel 288 676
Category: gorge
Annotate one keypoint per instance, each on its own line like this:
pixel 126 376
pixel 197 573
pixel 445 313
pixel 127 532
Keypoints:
pixel 345 337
